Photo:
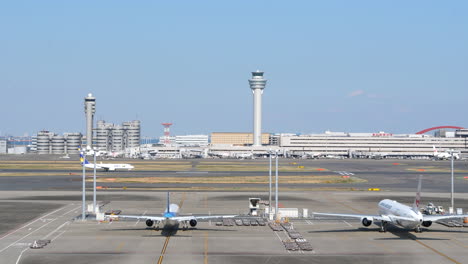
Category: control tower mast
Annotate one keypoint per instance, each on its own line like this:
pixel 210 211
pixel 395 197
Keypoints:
pixel 90 109
pixel 257 84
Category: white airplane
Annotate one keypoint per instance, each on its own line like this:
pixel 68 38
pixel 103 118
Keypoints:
pixel 444 155
pixel 171 219
pixel 313 155
pixel 244 155
pixel 106 167
pixel 398 214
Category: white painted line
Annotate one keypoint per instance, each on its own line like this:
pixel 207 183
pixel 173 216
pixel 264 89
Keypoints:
pixel 348 223
pixel 141 215
pixel 56 229
pixel 25 236
pixel 61 233
pixel 21 254
pixel 33 221
pixel 71 211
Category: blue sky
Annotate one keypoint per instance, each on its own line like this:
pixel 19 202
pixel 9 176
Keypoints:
pixel 356 66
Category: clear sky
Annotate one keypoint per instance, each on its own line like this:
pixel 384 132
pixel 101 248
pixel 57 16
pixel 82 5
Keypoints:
pixel 355 66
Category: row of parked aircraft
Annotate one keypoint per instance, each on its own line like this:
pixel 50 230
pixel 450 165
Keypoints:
pixel 389 211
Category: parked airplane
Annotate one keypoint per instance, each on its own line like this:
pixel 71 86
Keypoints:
pixel 399 214
pixel 244 155
pixel 170 218
pixel 444 155
pixel 106 167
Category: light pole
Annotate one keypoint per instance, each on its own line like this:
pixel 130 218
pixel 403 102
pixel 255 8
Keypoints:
pixel 94 182
pixel 269 197
pixel 83 214
pixel 276 187
pixel 451 196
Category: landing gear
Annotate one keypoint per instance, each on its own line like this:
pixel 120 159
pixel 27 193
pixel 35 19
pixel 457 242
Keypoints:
pixel 185 226
pixel 383 226
pixel 418 229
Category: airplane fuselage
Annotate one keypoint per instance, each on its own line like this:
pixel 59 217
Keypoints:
pixel 110 167
pixel 394 208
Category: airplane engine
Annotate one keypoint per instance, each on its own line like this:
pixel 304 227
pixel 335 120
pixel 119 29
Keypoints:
pixel 427 223
pixel 149 222
pixel 366 222
pixel 193 222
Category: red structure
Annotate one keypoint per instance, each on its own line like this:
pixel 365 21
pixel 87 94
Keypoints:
pixel 167 133
pixel 436 128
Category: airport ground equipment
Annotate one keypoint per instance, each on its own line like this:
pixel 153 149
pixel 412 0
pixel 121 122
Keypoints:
pixel 254 206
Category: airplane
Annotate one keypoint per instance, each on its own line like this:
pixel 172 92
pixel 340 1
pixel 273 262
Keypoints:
pixel 171 219
pixel 105 167
pixel 444 155
pixel 244 155
pixel 313 155
pixel 398 214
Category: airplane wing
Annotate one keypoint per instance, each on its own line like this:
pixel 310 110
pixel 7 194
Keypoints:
pixel 154 218
pixel 441 217
pixel 376 217
pixel 387 218
pixel 200 217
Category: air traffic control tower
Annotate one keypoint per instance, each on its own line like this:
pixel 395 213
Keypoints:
pixel 90 109
pixel 257 84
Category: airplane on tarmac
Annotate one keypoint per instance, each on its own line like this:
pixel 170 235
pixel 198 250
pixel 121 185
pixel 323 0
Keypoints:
pixel 398 214
pixel 106 167
pixel 171 219
pixel 444 155
pixel 244 155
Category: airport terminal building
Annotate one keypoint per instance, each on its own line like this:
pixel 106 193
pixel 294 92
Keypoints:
pixel 371 144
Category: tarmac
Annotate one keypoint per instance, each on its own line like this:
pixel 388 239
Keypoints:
pixel 45 208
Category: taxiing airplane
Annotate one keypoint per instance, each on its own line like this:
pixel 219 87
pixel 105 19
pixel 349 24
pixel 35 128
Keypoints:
pixel 398 214
pixel 171 219
pixel 444 155
pixel 106 167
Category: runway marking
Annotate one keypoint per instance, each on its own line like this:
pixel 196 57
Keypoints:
pixel 206 248
pixel 139 219
pixel 57 236
pixel 458 242
pixel 344 172
pixel 56 229
pixel 347 223
pixel 33 221
pixel 163 251
pixel 24 237
pixel 435 251
pixel 120 246
pixel 276 233
pixel 21 254
pixel 346 205
pixel 70 211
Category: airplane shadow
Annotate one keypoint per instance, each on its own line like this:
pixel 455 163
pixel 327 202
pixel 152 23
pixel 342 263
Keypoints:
pixel 398 232
pixel 169 231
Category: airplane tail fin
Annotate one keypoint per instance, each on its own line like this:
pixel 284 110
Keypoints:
pixel 168 203
pixel 83 159
pixel 417 200
pixel 435 150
